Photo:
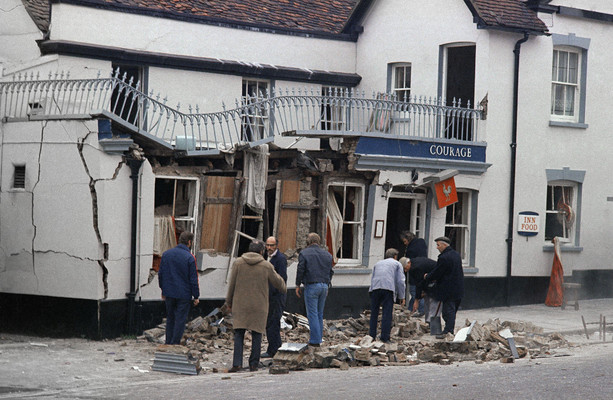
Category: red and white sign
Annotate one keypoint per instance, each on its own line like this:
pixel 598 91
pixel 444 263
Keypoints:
pixel 446 193
pixel 528 223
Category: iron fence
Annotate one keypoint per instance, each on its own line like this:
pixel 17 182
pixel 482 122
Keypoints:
pixel 253 119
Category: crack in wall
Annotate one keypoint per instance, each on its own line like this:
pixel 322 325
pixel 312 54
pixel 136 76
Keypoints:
pixel 34 227
pixel 94 196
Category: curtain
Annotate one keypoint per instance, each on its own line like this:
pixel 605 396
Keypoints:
pixel 335 225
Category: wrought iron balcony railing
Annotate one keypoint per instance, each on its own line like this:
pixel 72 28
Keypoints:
pixel 254 119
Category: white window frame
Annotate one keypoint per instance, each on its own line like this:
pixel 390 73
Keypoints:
pixel 463 225
pixel 399 85
pixel 566 78
pixel 553 209
pixel 192 217
pixel 358 221
pixel 258 117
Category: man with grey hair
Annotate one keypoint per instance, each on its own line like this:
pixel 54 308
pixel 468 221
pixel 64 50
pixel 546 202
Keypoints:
pixel 449 277
pixel 315 272
pixel 387 284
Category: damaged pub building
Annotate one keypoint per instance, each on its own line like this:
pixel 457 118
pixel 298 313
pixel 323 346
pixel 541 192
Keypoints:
pixel 124 123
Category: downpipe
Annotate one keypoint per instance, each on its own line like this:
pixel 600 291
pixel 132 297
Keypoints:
pixel 516 52
pixel 135 166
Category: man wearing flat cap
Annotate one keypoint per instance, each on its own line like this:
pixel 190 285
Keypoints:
pixel 449 277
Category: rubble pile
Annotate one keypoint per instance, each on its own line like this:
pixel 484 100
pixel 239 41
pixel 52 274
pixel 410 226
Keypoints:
pixel 347 343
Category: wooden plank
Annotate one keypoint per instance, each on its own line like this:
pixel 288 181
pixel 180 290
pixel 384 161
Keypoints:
pixel 215 227
pixel 288 217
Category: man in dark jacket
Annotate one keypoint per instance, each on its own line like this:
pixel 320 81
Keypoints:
pixel 417 268
pixel 276 299
pixel 415 247
pixel 315 272
pixel 178 280
pixel 449 277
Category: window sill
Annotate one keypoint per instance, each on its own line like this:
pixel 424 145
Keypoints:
pixel 564 248
pixel 470 270
pixel 355 270
pixel 562 124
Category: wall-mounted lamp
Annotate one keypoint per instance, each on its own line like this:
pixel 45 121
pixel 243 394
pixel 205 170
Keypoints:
pixel 387 187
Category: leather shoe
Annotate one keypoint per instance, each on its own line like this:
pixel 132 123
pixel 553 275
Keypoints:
pixel 441 336
pixel 253 368
pixel 234 369
pixel 265 355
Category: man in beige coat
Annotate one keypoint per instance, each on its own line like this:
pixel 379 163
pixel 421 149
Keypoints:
pixel 247 299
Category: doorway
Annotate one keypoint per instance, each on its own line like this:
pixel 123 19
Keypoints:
pixel 459 89
pixel 405 212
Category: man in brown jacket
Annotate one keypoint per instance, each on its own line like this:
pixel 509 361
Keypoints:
pixel 247 299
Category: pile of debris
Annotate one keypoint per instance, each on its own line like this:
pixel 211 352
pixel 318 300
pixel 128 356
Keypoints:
pixel 347 344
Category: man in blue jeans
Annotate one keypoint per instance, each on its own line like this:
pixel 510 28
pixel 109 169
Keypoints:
pixel 387 284
pixel 315 272
pixel 178 280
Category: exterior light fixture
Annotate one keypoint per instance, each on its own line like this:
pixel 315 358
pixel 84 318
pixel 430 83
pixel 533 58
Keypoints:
pixel 387 187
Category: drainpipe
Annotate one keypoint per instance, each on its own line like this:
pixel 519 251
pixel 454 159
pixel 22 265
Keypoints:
pixel 513 145
pixel 135 166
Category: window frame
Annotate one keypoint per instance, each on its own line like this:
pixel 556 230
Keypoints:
pixel 358 221
pixel 261 118
pixel 579 46
pixel 572 178
pixel 393 88
pixel 465 199
pixel 567 84
pixel 193 205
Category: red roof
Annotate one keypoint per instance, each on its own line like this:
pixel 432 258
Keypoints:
pixel 318 16
pixel 506 14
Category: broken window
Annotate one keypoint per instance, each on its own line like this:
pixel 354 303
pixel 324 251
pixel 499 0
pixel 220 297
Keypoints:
pixel 255 115
pixel 175 210
pixel 19 177
pixel 333 109
pixel 345 222
pixel 560 214
pixel 124 102
pixel 457 225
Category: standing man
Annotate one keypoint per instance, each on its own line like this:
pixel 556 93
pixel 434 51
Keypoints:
pixel 449 277
pixel 315 272
pixel 247 299
pixel 276 299
pixel 415 247
pixel 178 280
pixel 386 284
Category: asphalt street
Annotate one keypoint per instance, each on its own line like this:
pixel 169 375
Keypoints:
pixel 52 368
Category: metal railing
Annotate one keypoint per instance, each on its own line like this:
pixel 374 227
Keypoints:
pixel 253 119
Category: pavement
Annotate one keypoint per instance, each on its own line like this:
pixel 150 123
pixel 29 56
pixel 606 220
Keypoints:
pixel 552 319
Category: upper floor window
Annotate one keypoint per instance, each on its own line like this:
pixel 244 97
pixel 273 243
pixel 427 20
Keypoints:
pixel 568 81
pixel 565 84
pixel 255 115
pixel 333 109
pixel 399 80
pixel 124 101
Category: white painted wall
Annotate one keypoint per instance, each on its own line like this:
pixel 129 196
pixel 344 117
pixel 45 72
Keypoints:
pixel 17 36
